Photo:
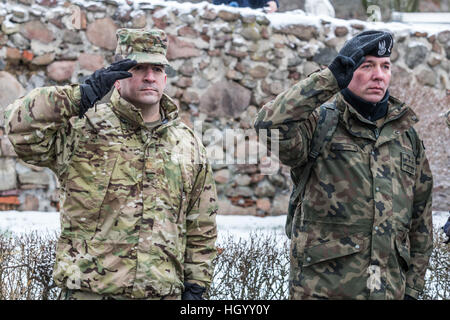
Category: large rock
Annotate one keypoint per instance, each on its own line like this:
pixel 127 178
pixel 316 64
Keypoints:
pixel 242 179
pixel 444 38
pixel 303 32
pixel 31 176
pixel 251 33
pixel 265 189
pixel 222 176
pixel 325 56
pixel 240 191
pixel 34 177
pixel 263 204
pixel 44 59
pixel 7 150
pixel 426 77
pixel 71 36
pixel 181 49
pixel 30 203
pixel 36 30
pixel 227 208
pixel 102 33
pixel 228 15
pixel 415 54
pixel 9 27
pixel 90 61
pixel 258 72
pixel 225 99
pixel 280 204
pixel 10 90
pixel 61 70
pixel 8 178
pixel 20 41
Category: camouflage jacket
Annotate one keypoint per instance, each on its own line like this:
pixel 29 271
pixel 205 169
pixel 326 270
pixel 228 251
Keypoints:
pixel 138 207
pixel 364 228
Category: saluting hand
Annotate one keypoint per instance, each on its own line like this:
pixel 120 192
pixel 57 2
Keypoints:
pixel 101 81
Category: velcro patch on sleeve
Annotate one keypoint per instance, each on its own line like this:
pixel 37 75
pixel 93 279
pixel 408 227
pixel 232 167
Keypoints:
pixel 408 163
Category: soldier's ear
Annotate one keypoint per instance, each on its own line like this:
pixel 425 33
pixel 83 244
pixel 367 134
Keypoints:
pixel 117 85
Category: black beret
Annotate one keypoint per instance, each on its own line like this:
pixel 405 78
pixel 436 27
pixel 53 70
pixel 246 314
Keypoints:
pixel 382 48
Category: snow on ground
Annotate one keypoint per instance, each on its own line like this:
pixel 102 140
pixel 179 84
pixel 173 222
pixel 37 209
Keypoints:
pixel 28 221
pixel 48 222
pixel 243 226
pixel 236 225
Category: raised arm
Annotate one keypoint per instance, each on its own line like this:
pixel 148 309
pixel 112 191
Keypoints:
pixel 38 125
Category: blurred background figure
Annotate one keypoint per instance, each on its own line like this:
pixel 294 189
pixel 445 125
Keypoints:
pixel 269 6
pixel 319 7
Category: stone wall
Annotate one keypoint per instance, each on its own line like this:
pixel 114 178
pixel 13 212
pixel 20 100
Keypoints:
pixel 226 63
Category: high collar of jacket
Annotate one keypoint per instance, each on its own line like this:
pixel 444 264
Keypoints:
pixel 132 114
pixel 399 118
pixel 369 110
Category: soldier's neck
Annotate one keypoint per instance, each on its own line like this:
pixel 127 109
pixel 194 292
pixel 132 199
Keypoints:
pixel 150 113
pixel 369 110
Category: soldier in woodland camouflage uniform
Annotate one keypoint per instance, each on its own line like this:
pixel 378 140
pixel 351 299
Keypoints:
pixel 138 201
pixel 446 227
pixel 363 229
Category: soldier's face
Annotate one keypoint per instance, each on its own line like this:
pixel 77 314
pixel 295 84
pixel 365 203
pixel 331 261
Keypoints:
pixel 145 88
pixel 371 80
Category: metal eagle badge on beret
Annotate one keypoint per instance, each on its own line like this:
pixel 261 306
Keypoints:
pixel 383 50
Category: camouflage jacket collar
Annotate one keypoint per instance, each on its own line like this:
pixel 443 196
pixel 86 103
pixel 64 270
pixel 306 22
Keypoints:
pixel 399 119
pixel 128 113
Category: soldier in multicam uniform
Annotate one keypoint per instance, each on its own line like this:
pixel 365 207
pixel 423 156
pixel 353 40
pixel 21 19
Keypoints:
pixel 363 229
pixel 138 201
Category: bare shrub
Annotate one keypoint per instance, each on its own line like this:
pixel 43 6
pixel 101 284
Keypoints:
pixel 26 264
pixel 253 269
pixel 437 280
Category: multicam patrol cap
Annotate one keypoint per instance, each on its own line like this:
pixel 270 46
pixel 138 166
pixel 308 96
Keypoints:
pixel 144 46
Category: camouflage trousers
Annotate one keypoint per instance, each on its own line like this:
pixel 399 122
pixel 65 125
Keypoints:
pixel 68 294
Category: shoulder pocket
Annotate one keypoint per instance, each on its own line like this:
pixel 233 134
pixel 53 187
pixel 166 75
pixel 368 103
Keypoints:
pixel 408 163
pixel 334 249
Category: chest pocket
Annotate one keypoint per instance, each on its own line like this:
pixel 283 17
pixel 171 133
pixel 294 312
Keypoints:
pixel 343 150
pixel 166 183
pixel 344 147
pixel 86 186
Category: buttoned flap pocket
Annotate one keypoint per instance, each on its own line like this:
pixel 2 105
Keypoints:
pixel 167 183
pixel 85 188
pixel 334 249
pixel 402 248
pixel 408 163
pixel 344 147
